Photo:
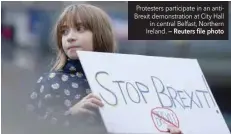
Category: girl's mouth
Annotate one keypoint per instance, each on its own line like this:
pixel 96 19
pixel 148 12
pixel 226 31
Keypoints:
pixel 73 47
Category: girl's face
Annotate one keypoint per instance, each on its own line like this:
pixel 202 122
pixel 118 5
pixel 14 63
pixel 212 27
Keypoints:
pixel 76 38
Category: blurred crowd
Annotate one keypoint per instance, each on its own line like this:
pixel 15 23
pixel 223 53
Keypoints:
pixel 28 51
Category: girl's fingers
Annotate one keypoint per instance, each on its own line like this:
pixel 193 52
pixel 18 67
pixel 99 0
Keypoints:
pixel 174 130
pixel 91 95
pixel 90 105
pixel 96 101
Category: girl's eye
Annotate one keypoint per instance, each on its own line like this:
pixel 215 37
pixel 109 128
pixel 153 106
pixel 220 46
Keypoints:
pixel 64 31
pixel 80 28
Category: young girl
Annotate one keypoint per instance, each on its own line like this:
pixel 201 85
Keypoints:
pixel 62 96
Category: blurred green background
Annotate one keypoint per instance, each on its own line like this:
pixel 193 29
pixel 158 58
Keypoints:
pixel 28 50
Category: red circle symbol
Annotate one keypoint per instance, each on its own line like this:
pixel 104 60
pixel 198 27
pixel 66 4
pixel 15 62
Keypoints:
pixel 162 117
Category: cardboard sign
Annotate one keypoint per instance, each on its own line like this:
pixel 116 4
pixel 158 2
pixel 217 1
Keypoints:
pixel 144 94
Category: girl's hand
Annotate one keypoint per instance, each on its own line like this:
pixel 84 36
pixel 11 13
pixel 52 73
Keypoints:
pixel 86 105
pixel 174 130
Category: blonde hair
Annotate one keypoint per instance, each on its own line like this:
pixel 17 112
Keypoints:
pixel 93 19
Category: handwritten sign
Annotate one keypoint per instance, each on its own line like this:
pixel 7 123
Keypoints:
pixel 144 94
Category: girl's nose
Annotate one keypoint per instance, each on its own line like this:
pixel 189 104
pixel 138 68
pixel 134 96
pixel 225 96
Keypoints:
pixel 71 39
pixel 72 36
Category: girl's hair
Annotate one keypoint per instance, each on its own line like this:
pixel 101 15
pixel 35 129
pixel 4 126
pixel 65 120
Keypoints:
pixel 93 19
